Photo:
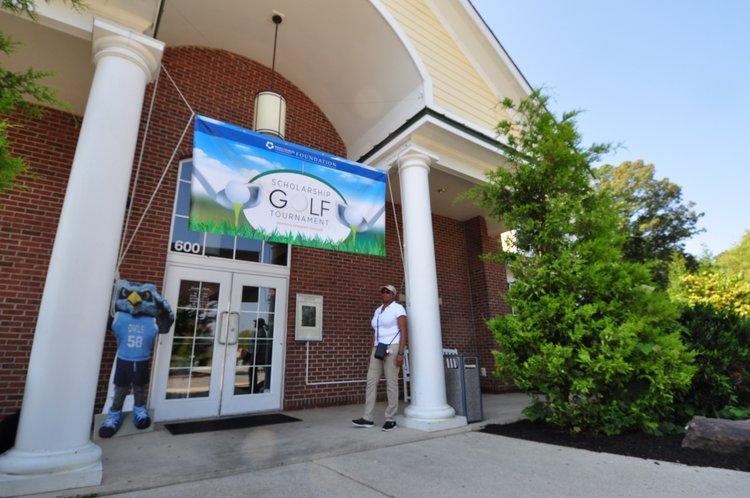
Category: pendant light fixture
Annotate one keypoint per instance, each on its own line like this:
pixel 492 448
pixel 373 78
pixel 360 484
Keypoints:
pixel 270 106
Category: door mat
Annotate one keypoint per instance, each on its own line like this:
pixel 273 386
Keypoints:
pixel 224 424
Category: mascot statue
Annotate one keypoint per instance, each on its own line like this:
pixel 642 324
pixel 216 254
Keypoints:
pixel 140 315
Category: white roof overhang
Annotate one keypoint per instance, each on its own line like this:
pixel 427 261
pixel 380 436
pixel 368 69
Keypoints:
pixel 351 58
pixel 463 159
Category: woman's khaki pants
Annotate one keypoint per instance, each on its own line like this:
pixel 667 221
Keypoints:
pixel 391 377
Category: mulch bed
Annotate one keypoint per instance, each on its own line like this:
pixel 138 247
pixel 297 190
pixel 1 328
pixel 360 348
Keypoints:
pixel 633 444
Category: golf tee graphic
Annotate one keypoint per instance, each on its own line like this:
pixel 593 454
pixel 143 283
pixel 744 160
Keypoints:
pixel 261 187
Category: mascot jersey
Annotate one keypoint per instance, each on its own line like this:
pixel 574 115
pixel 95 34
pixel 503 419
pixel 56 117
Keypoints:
pixel 135 336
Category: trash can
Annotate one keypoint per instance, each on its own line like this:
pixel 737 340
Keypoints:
pixel 462 386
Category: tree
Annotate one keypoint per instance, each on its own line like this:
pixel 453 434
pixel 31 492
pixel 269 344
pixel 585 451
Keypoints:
pixel 591 339
pixel 736 260
pixel 709 286
pixel 720 339
pixel 655 217
pixel 715 319
pixel 20 92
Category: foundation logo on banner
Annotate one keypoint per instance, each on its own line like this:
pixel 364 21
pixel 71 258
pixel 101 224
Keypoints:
pixel 260 187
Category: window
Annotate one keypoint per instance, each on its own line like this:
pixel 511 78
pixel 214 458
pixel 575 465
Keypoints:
pixel 187 241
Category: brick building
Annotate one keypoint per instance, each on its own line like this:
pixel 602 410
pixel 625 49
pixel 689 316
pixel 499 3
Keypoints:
pixel 406 86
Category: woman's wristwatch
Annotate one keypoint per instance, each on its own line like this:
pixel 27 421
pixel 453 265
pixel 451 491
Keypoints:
pixel 401 353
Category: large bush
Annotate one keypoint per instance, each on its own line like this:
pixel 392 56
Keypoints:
pixel 721 342
pixel 710 287
pixel 591 339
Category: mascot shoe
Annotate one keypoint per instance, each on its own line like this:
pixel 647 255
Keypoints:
pixel 111 424
pixel 140 417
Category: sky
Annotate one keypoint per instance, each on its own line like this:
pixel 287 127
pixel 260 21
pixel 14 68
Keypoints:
pixel 668 80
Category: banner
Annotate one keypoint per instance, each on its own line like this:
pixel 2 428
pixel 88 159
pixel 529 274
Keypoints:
pixel 261 187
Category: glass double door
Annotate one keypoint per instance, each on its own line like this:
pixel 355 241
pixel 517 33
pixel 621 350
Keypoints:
pixel 224 354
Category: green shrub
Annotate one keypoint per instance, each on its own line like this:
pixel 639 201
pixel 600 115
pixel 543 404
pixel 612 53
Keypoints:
pixel 597 350
pixel 591 339
pixel 721 342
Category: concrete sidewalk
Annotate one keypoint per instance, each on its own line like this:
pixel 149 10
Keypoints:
pixel 158 459
pixel 325 456
pixel 471 464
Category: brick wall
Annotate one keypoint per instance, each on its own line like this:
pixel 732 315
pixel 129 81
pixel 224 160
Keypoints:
pixel 28 222
pixel 221 85
pixel 488 285
pixel 350 288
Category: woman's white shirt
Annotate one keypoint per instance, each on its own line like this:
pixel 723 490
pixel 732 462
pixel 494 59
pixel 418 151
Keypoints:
pixel 385 323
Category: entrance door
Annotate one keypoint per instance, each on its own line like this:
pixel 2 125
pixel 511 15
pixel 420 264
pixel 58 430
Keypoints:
pixel 224 354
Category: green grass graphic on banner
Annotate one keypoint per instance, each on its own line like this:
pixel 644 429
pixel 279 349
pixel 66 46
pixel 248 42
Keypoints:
pixel 207 216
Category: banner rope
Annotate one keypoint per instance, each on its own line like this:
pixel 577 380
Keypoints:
pixel 124 252
pixel 395 219
pixel 137 174
pixel 156 190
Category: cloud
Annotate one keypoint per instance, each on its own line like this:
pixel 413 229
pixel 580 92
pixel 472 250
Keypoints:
pixel 263 163
pixel 352 178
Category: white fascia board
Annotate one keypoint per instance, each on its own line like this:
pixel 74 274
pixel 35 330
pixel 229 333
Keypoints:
pixel 495 44
pixel 476 36
pixel 409 137
pixel 385 156
pixel 466 50
pixel 403 137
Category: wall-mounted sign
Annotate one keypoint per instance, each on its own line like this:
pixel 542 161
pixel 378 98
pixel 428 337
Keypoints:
pixel 261 187
pixel 309 318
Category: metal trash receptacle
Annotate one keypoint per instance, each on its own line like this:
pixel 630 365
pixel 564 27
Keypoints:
pixel 462 386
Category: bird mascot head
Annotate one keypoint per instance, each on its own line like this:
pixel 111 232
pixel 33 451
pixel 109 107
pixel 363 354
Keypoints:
pixel 143 299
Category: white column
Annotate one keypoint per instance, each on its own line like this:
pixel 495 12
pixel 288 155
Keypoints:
pixel 428 409
pixel 53 449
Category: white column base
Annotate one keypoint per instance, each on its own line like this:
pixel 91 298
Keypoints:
pixel 13 485
pixel 431 424
pixel 429 412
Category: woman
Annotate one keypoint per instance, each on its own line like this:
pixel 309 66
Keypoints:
pixel 389 328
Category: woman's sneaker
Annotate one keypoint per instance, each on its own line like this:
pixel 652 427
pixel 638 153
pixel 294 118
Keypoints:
pixel 360 422
pixel 389 425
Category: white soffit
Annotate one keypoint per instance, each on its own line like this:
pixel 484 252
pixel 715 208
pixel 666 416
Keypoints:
pixel 138 15
pixel 67 57
pixel 445 188
pixel 462 156
pixel 343 54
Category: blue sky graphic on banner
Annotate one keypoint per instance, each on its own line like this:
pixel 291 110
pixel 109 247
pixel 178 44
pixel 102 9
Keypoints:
pixel 261 187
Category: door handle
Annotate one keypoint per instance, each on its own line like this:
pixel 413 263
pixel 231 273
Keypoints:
pixel 235 330
pixel 222 328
